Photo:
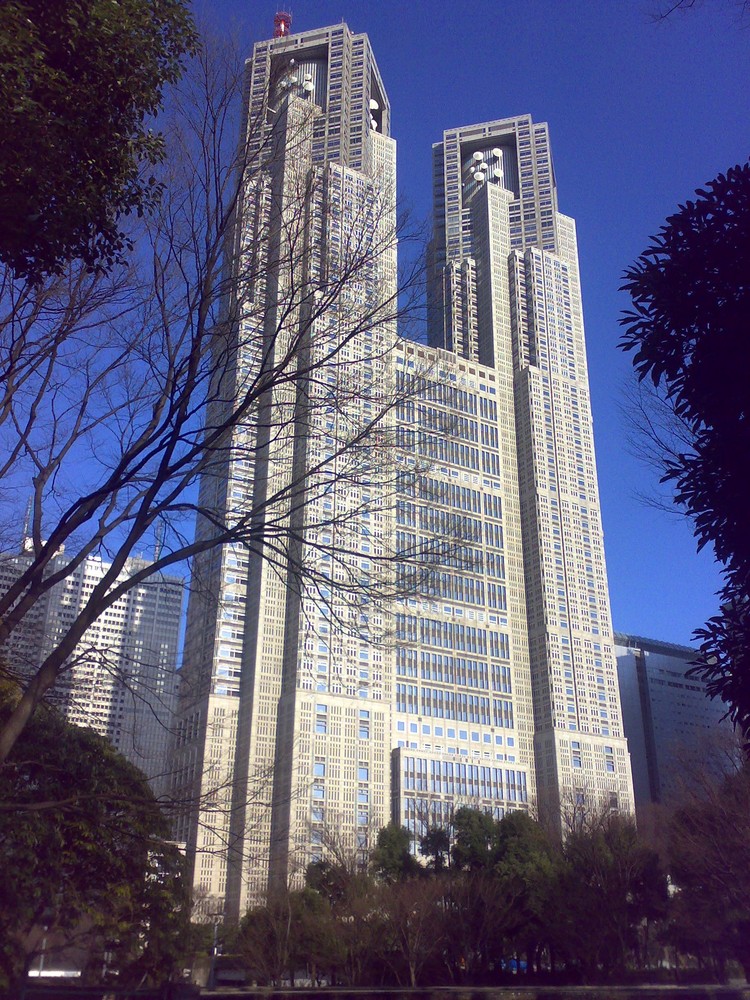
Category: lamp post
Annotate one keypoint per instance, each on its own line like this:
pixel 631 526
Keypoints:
pixel 214 951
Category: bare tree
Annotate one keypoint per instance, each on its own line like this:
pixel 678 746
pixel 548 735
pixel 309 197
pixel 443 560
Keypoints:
pixel 657 437
pixel 192 364
pixel 585 809
pixel 414 924
pixel 662 10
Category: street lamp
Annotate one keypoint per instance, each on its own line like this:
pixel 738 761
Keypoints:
pixel 217 917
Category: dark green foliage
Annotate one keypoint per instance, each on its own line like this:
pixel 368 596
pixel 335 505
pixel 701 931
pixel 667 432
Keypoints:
pixel 710 852
pixel 79 80
pixel 83 850
pixel 436 845
pixel 688 330
pixel 528 862
pixel 264 939
pixel 328 880
pixel 592 909
pixel 392 861
pixel 315 943
pixel 608 884
pixel 475 844
pixel 352 938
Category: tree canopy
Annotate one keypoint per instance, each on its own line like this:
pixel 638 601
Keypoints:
pixel 391 860
pixel 688 331
pixel 709 846
pixel 589 908
pixel 84 851
pixel 79 81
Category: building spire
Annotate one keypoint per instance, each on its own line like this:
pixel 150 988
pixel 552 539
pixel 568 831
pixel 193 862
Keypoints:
pixel 282 24
pixel 27 522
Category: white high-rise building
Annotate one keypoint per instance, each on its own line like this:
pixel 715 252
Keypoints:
pixel 285 715
pixel 121 680
pixel 504 292
pixel 430 625
pixel 463 723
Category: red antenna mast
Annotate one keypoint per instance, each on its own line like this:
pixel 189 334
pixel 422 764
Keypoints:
pixel 282 24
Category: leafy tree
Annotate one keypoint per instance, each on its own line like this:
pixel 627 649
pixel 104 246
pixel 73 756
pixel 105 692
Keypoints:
pixel 328 880
pixel 84 850
pixel 315 943
pixel 688 331
pixel 392 860
pixel 609 883
pixel 499 897
pixel 352 896
pixel 527 861
pixel 436 845
pixel 475 842
pixel 264 939
pixel 79 81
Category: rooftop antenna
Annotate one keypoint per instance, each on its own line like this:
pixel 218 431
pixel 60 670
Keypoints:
pixel 27 519
pixel 159 540
pixel 282 24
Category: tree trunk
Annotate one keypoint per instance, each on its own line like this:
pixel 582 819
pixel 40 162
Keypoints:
pixel 23 711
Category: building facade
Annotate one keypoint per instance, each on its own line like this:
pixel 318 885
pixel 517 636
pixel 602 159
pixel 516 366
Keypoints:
pixel 285 717
pixel 428 624
pixel 670 722
pixel 121 681
pixel 462 710
pixel 504 292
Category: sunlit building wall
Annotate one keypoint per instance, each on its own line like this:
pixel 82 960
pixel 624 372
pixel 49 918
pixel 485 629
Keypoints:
pixel 504 292
pixel 285 719
pixel 432 629
pixel 121 680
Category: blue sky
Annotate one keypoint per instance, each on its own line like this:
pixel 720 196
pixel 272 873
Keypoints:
pixel 640 115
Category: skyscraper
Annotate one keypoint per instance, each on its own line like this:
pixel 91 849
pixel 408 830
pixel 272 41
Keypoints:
pixel 121 680
pixel 285 713
pixel 504 292
pixel 462 710
pixel 673 728
pixel 430 627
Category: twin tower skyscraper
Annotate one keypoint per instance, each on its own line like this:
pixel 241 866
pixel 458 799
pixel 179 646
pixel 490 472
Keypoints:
pixel 426 623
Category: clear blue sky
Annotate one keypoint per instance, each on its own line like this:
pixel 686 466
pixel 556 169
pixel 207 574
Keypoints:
pixel 640 115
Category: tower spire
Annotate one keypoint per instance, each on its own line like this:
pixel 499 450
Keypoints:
pixel 282 24
pixel 27 522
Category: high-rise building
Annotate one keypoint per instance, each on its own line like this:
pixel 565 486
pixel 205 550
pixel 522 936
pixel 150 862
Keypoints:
pixel 431 625
pixel 462 710
pixel 504 293
pixel 285 715
pixel 670 722
pixel 121 680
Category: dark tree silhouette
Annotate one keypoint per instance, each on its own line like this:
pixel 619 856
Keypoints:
pixel 688 329
pixel 79 82
pixel 85 855
pixel 709 846
pixel 391 860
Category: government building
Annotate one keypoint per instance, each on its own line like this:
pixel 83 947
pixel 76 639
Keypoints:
pixel 426 624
